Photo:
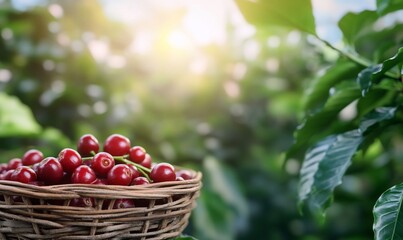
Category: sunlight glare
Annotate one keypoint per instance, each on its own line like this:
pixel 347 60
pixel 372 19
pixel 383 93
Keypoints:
pixel 178 39
pixel 205 24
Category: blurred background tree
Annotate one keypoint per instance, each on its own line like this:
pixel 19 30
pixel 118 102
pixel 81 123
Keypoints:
pixel 191 82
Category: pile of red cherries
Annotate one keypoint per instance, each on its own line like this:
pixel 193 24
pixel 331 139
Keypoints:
pixel 118 164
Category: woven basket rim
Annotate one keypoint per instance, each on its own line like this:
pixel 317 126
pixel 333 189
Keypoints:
pixel 70 191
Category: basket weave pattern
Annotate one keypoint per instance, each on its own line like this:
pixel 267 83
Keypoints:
pixel 44 212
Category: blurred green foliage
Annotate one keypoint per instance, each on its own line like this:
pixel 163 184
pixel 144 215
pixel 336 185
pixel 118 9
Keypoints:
pixel 233 120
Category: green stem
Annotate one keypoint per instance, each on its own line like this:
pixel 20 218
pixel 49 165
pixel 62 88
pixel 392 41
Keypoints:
pixel 124 159
pixel 357 59
pixel 139 166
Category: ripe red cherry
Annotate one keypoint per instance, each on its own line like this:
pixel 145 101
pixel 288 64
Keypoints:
pixel 117 145
pixel 179 179
pixel 185 174
pixel 135 171
pixel 120 175
pixel 102 163
pixel 14 163
pixel 83 174
pixel 123 203
pixel 163 172
pixel 87 145
pixel 3 167
pixel 7 174
pixel 70 159
pixel 31 157
pixel 137 154
pixel 147 161
pixel 140 181
pixel 50 171
pixel 23 174
pixel 100 181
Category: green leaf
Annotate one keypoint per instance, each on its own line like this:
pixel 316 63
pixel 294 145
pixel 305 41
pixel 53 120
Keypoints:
pixel 16 119
pixel 364 78
pixel 307 133
pixel 286 13
pixel 377 97
pixel 388 64
pixel 387 6
pixel 212 217
pixel 354 25
pixel 318 92
pixel 374 74
pixel 388 214
pixel 223 217
pixel 225 183
pixel 326 163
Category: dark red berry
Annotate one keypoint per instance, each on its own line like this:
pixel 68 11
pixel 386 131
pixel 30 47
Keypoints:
pixel 123 203
pixel 179 179
pixel 23 174
pixel 102 163
pixel 31 157
pixel 163 172
pixel 117 145
pixel 87 145
pixel 137 154
pixel 185 174
pixel 70 159
pixel 120 175
pixel 140 181
pixel 83 174
pixel 88 162
pixel 66 179
pixel 135 171
pixel 100 181
pixel 82 202
pixel 3 167
pixel 147 161
pixel 50 171
pixel 14 163
pixel 7 174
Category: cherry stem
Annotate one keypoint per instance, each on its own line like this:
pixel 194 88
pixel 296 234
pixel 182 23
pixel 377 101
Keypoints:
pixel 124 159
pixel 139 166
pixel 143 170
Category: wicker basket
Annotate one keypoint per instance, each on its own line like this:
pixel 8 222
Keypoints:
pixel 44 212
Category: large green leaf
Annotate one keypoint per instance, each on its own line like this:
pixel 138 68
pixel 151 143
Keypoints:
pixel 326 163
pixel 318 91
pixel 373 74
pixel 288 13
pixel 343 94
pixel 387 6
pixel 16 119
pixel 388 214
pixel 353 25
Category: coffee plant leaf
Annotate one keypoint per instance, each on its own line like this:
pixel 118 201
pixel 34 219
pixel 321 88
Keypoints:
pixel 285 13
pixel 354 25
pixel 386 6
pixel 326 163
pixel 388 214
